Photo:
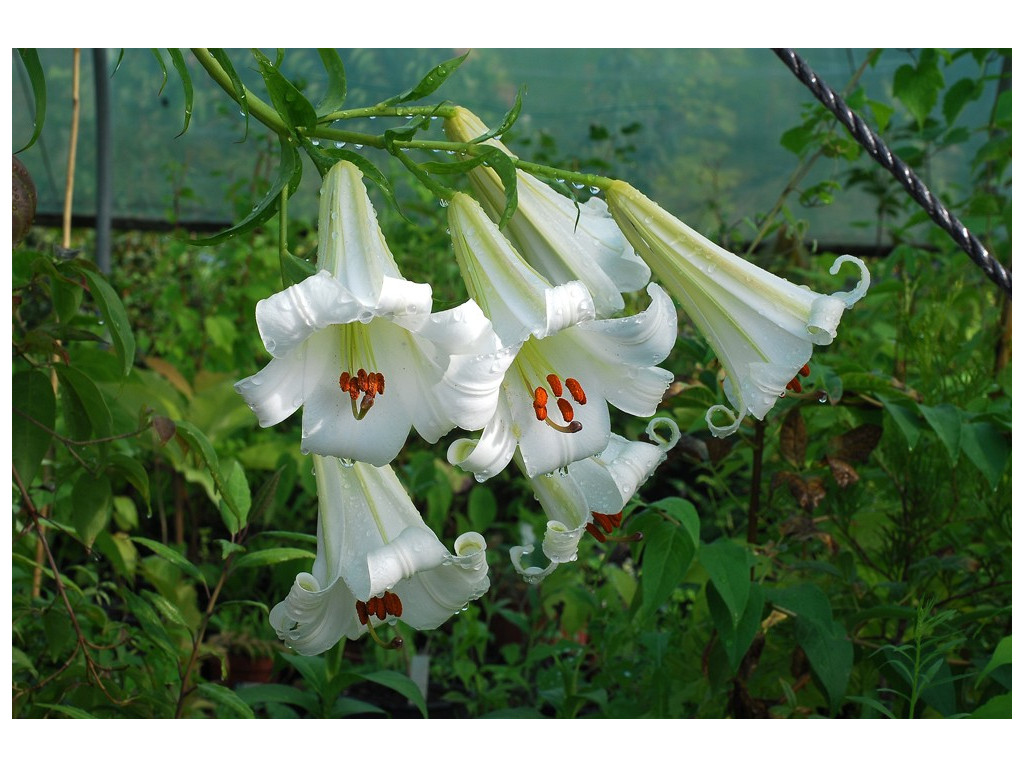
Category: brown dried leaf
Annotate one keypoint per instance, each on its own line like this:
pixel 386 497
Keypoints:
pixel 793 438
pixel 164 427
pixel 857 444
pixel 843 473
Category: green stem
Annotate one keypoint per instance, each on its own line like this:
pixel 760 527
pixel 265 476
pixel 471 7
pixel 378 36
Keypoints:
pixel 258 108
pixel 441 110
pixel 282 237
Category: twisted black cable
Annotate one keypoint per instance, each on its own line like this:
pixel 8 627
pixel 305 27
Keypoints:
pixel 883 156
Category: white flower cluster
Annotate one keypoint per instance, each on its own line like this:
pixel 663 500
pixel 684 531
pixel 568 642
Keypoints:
pixel 532 362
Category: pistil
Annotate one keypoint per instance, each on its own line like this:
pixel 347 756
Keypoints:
pixel 368 384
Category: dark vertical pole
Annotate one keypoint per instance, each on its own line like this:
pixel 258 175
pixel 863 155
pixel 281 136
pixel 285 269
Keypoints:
pixel 103 159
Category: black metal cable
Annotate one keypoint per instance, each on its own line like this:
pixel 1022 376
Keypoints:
pixel 883 156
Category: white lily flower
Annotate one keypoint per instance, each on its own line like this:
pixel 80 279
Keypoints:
pixel 562 240
pixel 567 366
pixel 376 561
pixel 761 326
pixel 590 494
pixel 356 345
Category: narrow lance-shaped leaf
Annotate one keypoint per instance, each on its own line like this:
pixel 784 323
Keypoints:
pixel 30 58
pixel 115 317
pixel 186 83
pixel 506 170
pixel 430 83
pixel 289 173
pixel 172 556
pixel 291 105
pixel 506 122
pixel 236 82
pixel 163 69
pixel 337 87
pixel 195 438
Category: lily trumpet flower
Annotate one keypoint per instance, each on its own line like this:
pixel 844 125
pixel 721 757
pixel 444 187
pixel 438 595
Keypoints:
pixel 560 239
pixel 566 366
pixel 376 562
pixel 589 495
pixel 761 326
pixel 357 347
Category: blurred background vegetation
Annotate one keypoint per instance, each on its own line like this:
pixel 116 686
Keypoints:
pixel 848 557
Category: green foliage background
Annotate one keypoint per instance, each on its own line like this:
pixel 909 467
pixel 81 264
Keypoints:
pixel 848 557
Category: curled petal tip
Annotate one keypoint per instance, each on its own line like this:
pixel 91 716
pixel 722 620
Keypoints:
pixel 852 297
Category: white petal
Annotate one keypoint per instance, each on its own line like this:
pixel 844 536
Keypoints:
pixel 288 318
pixel 510 292
pixel 329 427
pixel 415 549
pixel 351 245
pixel 430 599
pixel 761 326
pixel 405 302
pixel 492 452
pixel 276 392
pixel 311 619
pixel 563 241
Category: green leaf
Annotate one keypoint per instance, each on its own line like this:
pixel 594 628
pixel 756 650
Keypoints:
pixel 114 316
pixel 224 696
pixel 120 464
pixel 736 639
pixel 337 87
pixel 506 170
pixel 1000 656
pixel 400 683
pixel 273 556
pixel 186 84
pixel 823 639
pixel 163 68
pixel 917 87
pixel 909 421
pixel 236 499
pixel 275 693
pixel 72 712
pixel 289 173
pixel 152 628
pixel 728 566
pixel 33 401
pixel 668 551
pixel 346 706
pixel 956 98
pixel 172 556
pixel 430 82
pixel 797 139
pixel 482 507
pixel 507 122
pixel 291 105
pixel 997 707
pixel 945 419
pixel 87 399
pixel 234 511
pixel 92 502
pixel 987 447
pixel 167 609
pixel 221 58
pixel 30 58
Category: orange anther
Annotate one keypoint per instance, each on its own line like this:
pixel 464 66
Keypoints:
pixel 364 617
pixel 806 370
pixel 540 397
pixel 556 385
pixel 343 381
pixel 393 604
pixel 576 391
pixel 604 521
pixel 795 386
pixel 565 408
pixel 541 411
pixel 380 382
pixel 361 376
pixel 593 531
pixel 616 519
